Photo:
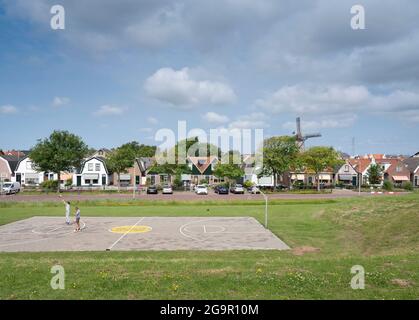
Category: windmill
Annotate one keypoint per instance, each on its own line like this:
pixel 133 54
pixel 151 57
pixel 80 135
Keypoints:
pixel 301 139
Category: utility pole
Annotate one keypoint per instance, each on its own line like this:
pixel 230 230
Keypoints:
pixel 134 181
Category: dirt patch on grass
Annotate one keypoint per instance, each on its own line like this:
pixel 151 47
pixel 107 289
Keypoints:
pixel 401 283
pixel 299 251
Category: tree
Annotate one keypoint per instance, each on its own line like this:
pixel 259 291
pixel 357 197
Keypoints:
pixel 120 159
pixel 280 154
pixel 229 170
pixel 62 151
pixel 374 174
pixel 319 159
pixel 140 150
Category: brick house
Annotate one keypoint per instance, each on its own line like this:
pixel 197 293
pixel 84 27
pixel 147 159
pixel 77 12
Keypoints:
pixel 413 167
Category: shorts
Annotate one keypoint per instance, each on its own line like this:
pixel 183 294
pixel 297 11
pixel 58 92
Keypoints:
pixel 77 220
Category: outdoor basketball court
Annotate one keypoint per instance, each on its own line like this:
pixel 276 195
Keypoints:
pixel 138 233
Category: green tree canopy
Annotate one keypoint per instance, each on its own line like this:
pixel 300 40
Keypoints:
pixel 319 159
pixel 374 174
pixel 280 154
pixel 62 151
pixel 229 170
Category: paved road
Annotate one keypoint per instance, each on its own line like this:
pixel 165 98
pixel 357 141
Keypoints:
pixel 179 196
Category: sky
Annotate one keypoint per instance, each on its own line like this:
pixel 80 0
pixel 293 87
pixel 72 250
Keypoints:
pixel 122 70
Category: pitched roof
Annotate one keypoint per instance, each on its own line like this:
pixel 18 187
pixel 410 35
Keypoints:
pixel 360 164
pixel 144 163
pixel 12 160
pixel 202 163
pixel 101 159
pixel 18 153
pixel 412 164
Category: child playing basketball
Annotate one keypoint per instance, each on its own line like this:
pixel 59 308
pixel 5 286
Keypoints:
pixel 77 220
pixel 67 210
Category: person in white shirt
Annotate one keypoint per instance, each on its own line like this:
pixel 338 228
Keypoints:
pixel 67 210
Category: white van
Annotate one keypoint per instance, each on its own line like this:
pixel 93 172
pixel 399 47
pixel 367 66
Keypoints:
pixel 11 187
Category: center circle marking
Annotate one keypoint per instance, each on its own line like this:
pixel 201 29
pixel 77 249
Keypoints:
pixel 131 229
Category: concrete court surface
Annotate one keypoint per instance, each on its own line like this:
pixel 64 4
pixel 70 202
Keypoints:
pixel 39 234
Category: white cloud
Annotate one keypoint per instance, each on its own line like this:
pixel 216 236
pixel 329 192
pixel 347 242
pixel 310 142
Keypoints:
pixel 215 118
pixel 152 120
pixel 60 101
pixel 8 109
pixel 179 88
pixel 256 120
pixel 337 100
pixel 108 110
pixel 328 122
pixel 306 99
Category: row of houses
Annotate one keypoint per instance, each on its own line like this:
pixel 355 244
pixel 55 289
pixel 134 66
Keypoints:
pixel 94 172
pixel 395 169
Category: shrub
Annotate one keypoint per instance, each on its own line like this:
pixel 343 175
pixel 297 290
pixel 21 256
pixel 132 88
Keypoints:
pixel 388 185
pixel 49 185
pixel 248 184
pixel 407 185
pixel 69 182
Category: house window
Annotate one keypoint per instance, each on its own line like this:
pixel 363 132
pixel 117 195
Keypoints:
pixel 153 179
pixel 346 168
pixel 87 181
pixel 90 167
pixel 32 181
pixel 95 181
pixel 29 165
pixel 398 169
pixel 97 167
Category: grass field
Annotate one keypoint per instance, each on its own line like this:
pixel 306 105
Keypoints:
pixel 328 237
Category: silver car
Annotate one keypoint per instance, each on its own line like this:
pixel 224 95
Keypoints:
pixel 201 189
pixel 167 189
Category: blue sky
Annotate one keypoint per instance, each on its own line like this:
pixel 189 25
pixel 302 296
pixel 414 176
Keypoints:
pixel 123 69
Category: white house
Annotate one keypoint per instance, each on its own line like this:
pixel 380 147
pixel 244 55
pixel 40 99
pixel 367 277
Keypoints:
pixel 93 173
pixel 347 174
pixel 251 170
pixel 27 175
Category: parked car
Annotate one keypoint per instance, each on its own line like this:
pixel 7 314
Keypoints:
pixel 254 190
pixel 237 189
pixel 221 189
pixel 11 187
pixel 201 189
pixel 152 190
pixel 167 189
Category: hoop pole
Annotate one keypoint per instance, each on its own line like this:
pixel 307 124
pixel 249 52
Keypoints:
pixel 266 208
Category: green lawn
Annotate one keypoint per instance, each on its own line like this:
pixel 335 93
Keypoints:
pixel 379 233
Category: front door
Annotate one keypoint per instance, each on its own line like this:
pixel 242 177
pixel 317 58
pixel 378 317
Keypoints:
pixel 103 180
pixel 354 181
pixel 78 181
pixel 18 177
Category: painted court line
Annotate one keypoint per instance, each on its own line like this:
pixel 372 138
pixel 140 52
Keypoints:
pixel 121 237
pixel 39 240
